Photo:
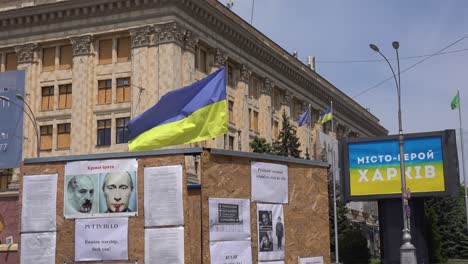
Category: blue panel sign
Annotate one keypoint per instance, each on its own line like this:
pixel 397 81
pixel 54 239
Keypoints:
pixel 11 118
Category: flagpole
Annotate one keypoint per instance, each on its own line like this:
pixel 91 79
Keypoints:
pixel 463 156
pixel 310 131
pixel 335 217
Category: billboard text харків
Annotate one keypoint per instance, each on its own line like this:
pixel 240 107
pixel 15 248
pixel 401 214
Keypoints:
pixel 372 166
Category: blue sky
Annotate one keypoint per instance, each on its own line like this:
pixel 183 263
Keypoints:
pixel 340 30
pixel 334 30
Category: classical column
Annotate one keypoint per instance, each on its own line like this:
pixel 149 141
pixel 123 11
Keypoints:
pixel 265 121
pixel 242 93
pixel 220 59
pixel 287 103
pixel 25 61
pixel 25 55
pixel 188 58
pixel 143 90
pixel 169 39
pixel 84 96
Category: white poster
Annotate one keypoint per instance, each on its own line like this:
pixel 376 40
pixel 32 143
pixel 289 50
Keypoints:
pixel 271 231
pixel 269 182
pixel 101 239
pixel 229 219
pixel 100 188
pixel 164 245
pixel 39 201
pixel 272 262
pixel 163 196
pixel 231 252
pixel 311 260
pixel 38 248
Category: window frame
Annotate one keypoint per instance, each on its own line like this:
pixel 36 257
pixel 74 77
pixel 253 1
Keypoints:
pixel 46 132
pixel 63 133
pixel 124 129
pixel 105 91
pixel 67 95
pixel 49 98
pixel 104 132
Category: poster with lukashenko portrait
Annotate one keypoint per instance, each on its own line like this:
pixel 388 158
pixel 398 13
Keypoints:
pixel 100 188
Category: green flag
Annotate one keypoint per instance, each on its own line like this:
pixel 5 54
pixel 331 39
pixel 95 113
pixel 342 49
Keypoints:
pixel 455 102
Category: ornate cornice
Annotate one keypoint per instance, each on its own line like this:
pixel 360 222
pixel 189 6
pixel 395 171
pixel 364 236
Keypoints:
pixel 81 45
pixel 25 53
pixel 220 58
pixel 140 36
pixel 268 86
pixel 169 33
pixel 245 73
pixel 190 41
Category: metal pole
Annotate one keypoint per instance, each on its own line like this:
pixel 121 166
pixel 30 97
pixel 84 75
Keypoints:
pixel 252 13
pixel 407 250
pixel 335 218
pixel 463 156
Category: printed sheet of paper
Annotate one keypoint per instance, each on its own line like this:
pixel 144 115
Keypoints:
pixel 100 188
pixel 229 219
pixel 163 196
pixel 269 182
pixel 164 245
pixel 39 203
pixel 101 239
pixel 228 252
pixel 38 248
pixel 271 231
pixel 311 260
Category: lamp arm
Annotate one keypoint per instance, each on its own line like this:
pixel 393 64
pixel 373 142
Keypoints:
pixel 394 75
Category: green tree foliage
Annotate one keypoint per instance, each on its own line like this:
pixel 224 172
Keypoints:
pixel 353 247
pixel 434 243
pixel 288 143
pixel 259 145
pixel 450 220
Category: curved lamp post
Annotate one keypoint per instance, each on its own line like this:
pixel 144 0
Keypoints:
pixel 32 118
pixel 407 250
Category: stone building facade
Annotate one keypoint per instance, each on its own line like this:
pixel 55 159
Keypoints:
pixel 93 65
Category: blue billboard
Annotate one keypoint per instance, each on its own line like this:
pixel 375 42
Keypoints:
pixel 11 118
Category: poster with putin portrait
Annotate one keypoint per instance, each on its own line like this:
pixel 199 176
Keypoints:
pixel 100 188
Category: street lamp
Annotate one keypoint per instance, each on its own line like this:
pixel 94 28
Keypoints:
pixel 407 250
pixel 32 118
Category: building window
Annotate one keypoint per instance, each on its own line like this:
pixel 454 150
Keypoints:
pixel 200 60
pixel 11 62
pixel 231 111
pixel 275 129
pixel 46 137
pixel 104 132
pixel 123 49
pixel 254 87
pixel 66 57
pixel 230 76
pixel 47 98
pixel 122 130
pixel 48 59
pixel 255 121
pixel 5 179
pixel 123 90
pixel 105 51
pixel 65 96
pixel 231 143
pixel 104 91
pixel 63 136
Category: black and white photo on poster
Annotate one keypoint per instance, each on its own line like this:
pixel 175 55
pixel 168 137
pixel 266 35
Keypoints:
pixel 269 182
pixel 229 219
pixel 271 232
pixel 231 252
pixel 100 188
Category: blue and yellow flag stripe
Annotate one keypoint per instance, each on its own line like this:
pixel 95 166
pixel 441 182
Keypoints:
pixel 189 114
pixel 326 116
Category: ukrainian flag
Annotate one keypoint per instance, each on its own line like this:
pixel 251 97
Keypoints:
pixel 190 114
pixel 326 116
